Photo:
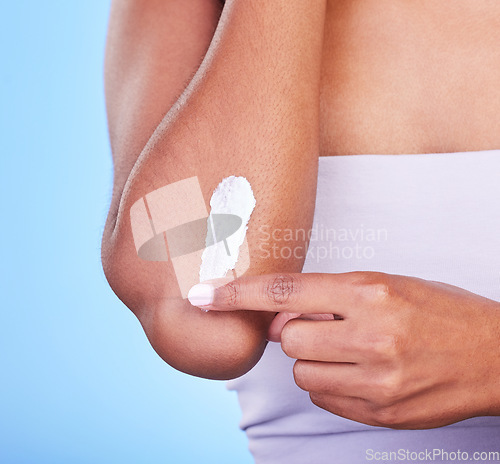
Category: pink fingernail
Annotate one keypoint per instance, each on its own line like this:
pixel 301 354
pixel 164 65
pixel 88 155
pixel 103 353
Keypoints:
pixel 201 295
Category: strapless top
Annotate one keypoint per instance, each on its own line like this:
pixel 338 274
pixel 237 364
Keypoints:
pixel 433 216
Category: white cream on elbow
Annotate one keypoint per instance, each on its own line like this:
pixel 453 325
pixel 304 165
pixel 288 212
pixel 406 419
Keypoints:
pixel 231 206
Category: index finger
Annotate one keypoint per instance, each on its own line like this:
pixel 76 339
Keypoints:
pixel 294 292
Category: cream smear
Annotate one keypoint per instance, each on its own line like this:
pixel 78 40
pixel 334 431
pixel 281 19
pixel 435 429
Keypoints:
pixel 232 197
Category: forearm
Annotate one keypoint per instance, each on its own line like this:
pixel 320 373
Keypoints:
pixel 254 96
pixel 252 110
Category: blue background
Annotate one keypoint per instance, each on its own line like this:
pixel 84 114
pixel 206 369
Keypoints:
pixel 79 382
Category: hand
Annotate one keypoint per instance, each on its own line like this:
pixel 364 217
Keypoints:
pixel 402 352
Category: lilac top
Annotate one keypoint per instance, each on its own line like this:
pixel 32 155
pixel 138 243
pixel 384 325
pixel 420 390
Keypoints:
pixel 434 216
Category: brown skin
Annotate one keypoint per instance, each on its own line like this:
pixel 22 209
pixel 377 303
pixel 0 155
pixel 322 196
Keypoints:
pixel 244 113
pixel 406 353
pixel 410 77
pixel 391 77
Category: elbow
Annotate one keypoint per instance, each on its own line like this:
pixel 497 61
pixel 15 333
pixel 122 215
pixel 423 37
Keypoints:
pixel 212 345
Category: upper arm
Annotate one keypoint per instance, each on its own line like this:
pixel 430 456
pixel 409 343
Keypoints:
pixel 242 115
pixel 153 49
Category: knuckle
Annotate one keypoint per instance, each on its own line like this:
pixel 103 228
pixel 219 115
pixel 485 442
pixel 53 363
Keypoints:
pixel 316 399
pixel 389 389
pixel 381 291
pixel 232 295
pixel 280 290
pixel 387 416
pixel 335 405
pixel 387 347
pixel 375 286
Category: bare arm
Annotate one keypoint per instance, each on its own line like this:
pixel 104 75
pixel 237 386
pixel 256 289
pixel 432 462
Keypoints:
pixel 251 109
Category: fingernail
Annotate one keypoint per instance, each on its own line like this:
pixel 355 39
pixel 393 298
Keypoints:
pixel 201 295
